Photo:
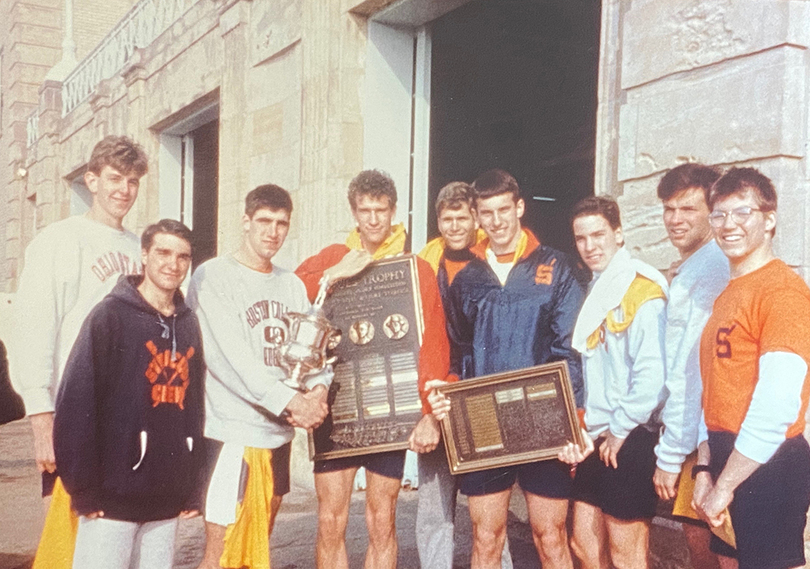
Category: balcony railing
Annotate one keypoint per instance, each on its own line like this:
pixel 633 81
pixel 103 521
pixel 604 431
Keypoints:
pixel 140 27
pixel 32 128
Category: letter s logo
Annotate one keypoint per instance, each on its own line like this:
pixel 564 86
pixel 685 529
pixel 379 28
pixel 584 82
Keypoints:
pixel 723 343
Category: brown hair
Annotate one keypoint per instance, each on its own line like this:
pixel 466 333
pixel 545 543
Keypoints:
pixel 455 196
pixel 494 183
pixel 688 176
pixel 121 153
pixel 739 180
pixel 374 184
pixel 268 196
pixel 170 226
pixel 598 205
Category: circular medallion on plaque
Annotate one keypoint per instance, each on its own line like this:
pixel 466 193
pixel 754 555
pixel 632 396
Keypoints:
pixel 395 326
pixel 361 332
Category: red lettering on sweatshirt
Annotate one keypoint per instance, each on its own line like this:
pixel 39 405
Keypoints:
pixel 168 375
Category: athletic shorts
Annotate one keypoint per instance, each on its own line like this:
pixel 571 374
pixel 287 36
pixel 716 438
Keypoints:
pixel 769 509
pixel 547 478
pixel 227 478
pixel 389 464
pixel 626 492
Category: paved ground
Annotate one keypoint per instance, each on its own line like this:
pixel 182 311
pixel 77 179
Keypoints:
pixel 292 545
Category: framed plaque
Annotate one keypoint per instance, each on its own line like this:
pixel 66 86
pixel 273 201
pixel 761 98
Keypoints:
pixel 510 418
pixel 374 398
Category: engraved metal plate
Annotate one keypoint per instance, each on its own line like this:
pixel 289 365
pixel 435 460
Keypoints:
pixel 374 398
pixel 510 418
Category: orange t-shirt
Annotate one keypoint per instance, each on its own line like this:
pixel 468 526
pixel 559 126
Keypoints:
pixel 767 310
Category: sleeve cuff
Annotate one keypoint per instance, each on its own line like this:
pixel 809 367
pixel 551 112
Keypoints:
pixel 620 424
pixel 85 502
pixel 37 401
pixel 324 378
pixel 671 467
pixel 755 448
pixel 278 398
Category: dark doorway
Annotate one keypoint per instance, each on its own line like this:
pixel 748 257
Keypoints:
pixel 206 191
pixel 513 86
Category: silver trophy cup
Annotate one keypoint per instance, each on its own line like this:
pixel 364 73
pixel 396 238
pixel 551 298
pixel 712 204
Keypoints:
pixel 308 336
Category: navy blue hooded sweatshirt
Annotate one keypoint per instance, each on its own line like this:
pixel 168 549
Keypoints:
pixel 129 413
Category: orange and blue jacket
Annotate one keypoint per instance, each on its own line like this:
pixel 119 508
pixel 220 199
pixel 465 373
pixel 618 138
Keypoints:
pixel 527 321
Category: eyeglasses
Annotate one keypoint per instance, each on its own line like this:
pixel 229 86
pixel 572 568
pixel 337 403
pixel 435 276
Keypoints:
pixel 739 215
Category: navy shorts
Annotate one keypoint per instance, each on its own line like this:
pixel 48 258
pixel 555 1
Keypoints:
pixel 48 482
pixel 389 464
pixel 769 509
pixel 547 478
pixel 626 492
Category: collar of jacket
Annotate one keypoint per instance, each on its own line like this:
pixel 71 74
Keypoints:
pixel 525 247
pixel 394 244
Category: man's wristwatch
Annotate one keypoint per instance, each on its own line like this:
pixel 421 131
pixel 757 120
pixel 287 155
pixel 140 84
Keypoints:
pixel 699 468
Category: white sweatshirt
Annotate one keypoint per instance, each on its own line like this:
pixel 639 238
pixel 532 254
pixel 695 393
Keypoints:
pixel 69 267
pixel 696 284
pixel 624 371
pixel 239 310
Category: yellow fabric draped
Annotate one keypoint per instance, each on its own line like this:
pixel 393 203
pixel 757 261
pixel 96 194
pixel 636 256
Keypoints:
pixel 394 244
pixel 432 253
pixel 247 543
pixel 641 290
pixel 55 550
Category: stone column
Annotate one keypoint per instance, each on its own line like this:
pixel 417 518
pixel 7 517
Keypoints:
pixel 333 43
pixel 146 207
pixel 52 202
pixel 234 134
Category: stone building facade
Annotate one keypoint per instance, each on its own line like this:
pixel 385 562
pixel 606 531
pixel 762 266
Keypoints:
pixel 573 96
pixel 306 93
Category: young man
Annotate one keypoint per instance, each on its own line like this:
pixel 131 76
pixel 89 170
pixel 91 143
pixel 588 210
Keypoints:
pixel 513 306
pixel 239 299
pixel 69 267
pixel 620 334
pixel 129 414
pixel 373 200
pixel 438 488
pixel 696 279
pixel 754 355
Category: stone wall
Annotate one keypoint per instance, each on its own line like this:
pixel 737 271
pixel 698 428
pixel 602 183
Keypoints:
pixel 31 45
pixel 715 81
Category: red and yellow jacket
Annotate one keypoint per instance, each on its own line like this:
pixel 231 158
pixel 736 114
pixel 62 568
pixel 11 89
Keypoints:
pixel 434 355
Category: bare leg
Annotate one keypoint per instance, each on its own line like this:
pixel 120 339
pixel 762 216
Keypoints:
pixel 547 518
pixel 488 514
pixel 697 538
pixel 381 509
pixel 275 504
pixel 629 542
pixel 589 541
pixel 214 545
pixel 334 491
